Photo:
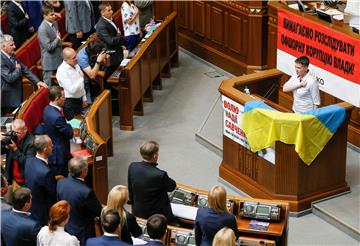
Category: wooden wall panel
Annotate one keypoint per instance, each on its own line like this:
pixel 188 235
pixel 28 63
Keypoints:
pixel 217 26
pixel 235 33
pixel 199 18
pixel 183 14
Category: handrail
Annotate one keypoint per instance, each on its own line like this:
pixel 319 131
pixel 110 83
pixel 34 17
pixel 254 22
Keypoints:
pixel 150 40
pixel 91 114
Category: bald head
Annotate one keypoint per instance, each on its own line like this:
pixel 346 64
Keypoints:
pixel 69 56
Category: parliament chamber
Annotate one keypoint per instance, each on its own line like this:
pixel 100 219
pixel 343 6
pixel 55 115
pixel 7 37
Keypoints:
pixel 164 92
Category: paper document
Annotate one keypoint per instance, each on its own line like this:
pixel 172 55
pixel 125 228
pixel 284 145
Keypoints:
pixel 183 211
pixel 124 62
pixel 138 241
pixel 75 123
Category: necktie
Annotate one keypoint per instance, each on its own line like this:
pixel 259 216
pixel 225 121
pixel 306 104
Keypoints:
pixel 13 60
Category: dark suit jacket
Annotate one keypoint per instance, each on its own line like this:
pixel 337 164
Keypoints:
pixel 11 82
pixel 60 133
pixel 131 228
pixel 105 241
pixel 208 222
pixel 113 40
pixel 41 181
pixel 18 24
pixel 21 154
pixel 18 229
pixel 148 187
pixel 84 207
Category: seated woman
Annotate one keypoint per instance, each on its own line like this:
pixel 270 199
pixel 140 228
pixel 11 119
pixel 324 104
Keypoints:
pixel 224 237
pixel 54 234
pixel 210 220
pixel 117 198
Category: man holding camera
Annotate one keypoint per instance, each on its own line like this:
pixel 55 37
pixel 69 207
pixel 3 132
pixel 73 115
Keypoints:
pixel 90 60
pixel 18 146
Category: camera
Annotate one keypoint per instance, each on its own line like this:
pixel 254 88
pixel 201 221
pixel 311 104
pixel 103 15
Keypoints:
pixel 108 52
pixel 8 137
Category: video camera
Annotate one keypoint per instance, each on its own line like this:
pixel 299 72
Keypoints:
pixel 108 52
pixel 8 137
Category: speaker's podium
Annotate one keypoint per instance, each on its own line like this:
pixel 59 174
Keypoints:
pixel 281 174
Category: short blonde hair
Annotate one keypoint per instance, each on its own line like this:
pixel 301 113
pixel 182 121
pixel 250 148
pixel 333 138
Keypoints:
pixel 224 237
pixel 117 197
pixel 217 199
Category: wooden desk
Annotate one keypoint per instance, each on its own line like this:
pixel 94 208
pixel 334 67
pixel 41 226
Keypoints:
pixel 289 178
pixel 277 231
pixel 143 73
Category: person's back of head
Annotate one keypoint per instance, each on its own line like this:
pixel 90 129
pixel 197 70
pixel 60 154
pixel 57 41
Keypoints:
pixel 217 198
pixel 22 199
pixel 156 226
pixel 148 150
pixel 95 47
pixel 110 220
pixel 55 92
pixel 59 214
pixel 117 197
pixel 224 237
pixel 43 145
pixel 78 167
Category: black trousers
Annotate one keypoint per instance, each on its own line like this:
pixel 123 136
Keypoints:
pixel 72 107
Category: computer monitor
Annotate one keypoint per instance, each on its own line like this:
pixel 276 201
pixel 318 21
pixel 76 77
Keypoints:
pixel 324 16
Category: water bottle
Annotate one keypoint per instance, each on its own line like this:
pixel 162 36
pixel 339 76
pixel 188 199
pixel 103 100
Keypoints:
pixel 247 90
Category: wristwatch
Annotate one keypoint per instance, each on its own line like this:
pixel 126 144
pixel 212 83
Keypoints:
pixel 99 63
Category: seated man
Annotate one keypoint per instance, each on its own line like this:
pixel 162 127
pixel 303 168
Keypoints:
pixel 84 204
pixel 90 60
pixel 17 227
pixel 11 76
pixel 110 223
pixel 71 78
pixel 156 227
pixel 17 152
pixel 148 185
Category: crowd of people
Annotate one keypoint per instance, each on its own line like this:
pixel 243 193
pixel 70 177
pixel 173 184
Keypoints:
pixel 52 209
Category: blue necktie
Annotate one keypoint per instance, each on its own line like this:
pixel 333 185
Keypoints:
pixel 13 60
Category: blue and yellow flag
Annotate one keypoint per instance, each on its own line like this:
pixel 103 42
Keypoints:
pixel 309 132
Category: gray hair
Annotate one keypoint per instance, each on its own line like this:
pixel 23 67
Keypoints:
pixel 5 38
pixel 76 165
pixel 148 149
pixel 18 123
pixel 40 142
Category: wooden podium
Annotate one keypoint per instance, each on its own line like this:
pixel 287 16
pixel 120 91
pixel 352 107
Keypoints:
pixel 289 179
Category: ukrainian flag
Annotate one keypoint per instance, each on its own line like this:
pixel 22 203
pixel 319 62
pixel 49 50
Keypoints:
pixel 309 132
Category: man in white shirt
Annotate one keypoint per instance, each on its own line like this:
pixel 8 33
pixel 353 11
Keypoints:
pixel 71 78
pixel 304 87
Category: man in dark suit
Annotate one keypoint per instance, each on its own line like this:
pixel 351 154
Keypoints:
pixel 11 76
pixel 58 130
pixel 108 32
pixel 18 19
pixel 148 185
pixel 17 228
pixel 84 204
pixel 17 153
pixel 156 227
pixel 110 221
pixel 40 179
pixel 50 43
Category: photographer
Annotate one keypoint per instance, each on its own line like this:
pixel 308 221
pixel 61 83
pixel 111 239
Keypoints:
pixel 18 145
pixel 90 60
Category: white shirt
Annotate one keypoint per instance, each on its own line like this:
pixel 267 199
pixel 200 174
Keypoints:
pixel 305 98
pixel 110 234
pixel 40 158
pixel 72 80
pixel 127 12
pixel 58 237
pixel 21 212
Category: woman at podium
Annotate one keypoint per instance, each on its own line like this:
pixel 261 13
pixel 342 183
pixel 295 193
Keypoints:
pixel 304 87
pixel 211 219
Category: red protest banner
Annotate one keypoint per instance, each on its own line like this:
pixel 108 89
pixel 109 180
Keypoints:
pixel 326 48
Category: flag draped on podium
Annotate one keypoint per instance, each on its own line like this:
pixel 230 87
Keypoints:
pixel 309 132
